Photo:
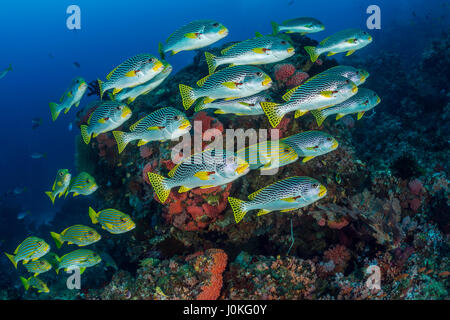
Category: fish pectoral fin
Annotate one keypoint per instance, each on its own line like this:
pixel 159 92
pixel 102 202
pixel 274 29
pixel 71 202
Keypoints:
pixel 75 194
pixel 260 50
pixel 230 85
pixel 326 94
pixel 300 113
pixel 306 159
pixel 155 128
pixel 183 189
pixel 69 242
pixel 34 259
pixel 246 104
pixel 108 226
pixel 262 212
pixel 360 114
pixel 192 35
pixel 350 52
pixel 203 175
pixel 103 120
pixel 290 199
pixel 131 73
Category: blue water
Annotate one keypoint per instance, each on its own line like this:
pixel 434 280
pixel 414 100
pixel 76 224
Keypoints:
pixel 36 41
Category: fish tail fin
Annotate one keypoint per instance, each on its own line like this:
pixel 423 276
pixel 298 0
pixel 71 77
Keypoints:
pixel 159 185
pixel 25 283
pixel 238 207
pixel 84 134
pixel 93 215
pixel 57 237
pixel 187 96
pixel 161 50
pixel 271 111
pixel 100 88
pixel 12 259
pixel 121 139
pixel 9 68
pixel 51 196
pixel 312 53
pixel 319 115
pixel 211 62
pixel 275 27
pixel 53 110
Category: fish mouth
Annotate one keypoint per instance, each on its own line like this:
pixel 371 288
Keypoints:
pixel 370 38
pixel 267 80
pixel 186 124
pixel 223 31
pixel 355 89
pixel 335 144
pixel 322 191
pixel 291 50
pixel 378 99
pixel 242 168
pixel 157 66
pixel 363 78
pixel 126 112
pixel 82 86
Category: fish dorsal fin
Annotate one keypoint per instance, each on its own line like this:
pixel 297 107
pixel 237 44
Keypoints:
pixel 111 73
pixel 228 48
pixel 172 172
pixel 17 249
pixel 254 194
pixel 89 119
pixel 258 34
pixel 133 126
pixel 53 187
pixel 62 97
pixel 287 96
pixel 202 81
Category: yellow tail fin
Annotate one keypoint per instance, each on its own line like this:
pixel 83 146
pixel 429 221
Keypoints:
pixel 158 183
pixel 120 139
pixel 57 237
pixel 84 134
pixel 319 115
pixel 51 196
pixel 211 62
pixel 12 259
pixel 270 110
pixel 53 110
pixel 187 96
pixel 93 215
pixel 312 53
pixel 238 207
pixel 25 283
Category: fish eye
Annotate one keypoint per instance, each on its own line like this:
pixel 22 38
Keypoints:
pixel 347 81
pixel 315 185
pixel 286 150
pixel 90 233
pixel 87 180
pixel 328 139
pixel 150 60
pixel 123 220
pixel 176 117
pixel 283 42
pixel 215 24
pixel 61 173
pixel 259 73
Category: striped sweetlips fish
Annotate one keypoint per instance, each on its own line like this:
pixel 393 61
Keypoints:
pixel 71 97
pixel 246 106
pixel 319 92
pixel 348 40
pixel 39 266
pixel 268 155
pixel 163 124
pixel 112 220
pixel 301 25
pixel 80 258
pixel 130 94
pixel 106 117
pixel 229 83
pixel 36 283
pixel 284 195
pixel 358 76
pixel 133 72
pixel 363 101
pixel 83 184
pixel 60 184
pixel 258 50
pixel 32 248
pixel 310 144
pixel 194 35
pixel 77 234
pixel 206 169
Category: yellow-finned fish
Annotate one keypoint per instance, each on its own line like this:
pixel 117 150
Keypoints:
pixel 60 184
pixel 284 195
pixel 32 248
pixel 39 266
pixel 77 234
pixel 36 283
pixel 301 25
pixel 112 220
pixel 71 97
pixel 247 106
pixel 348 40
pixel 194 35
pixel 81 258
pixel 310 144
pixel 358 76
pixel 84 184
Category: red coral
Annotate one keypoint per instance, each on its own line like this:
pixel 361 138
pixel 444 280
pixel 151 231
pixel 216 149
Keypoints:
pixel 149 167
pixel 415 204
pixel 415 186
pixel 343 222
pixel 145 151
pixel 340 256
pixel 297 79
pixel 214 263
pixel 284 71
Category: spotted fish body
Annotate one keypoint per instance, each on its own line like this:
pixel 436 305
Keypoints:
pixel 39 266
pixel 207 169
pixel 36 283
pixel 363 101
pixel 163 124
pixel 194 35
pixel 133 72
pixel 268 155
pixel 259 50
pixel 60 184
pixel 346 40
pixel 358 76
pixel 106 117
pixel 130 94
pixel 310 144
pixel 229 83
pixel 318 92
pixel 284 195
pixel 81 258
pixel 247 106
pixel 112 220
pixel 32 248
pixel 77 234
pixel 83 184
pixel 301 25
pixel 71 97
